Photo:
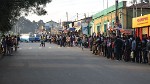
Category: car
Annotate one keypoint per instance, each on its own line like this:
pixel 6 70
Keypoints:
pixel 31 39
pixel 24 38
pixel 37 38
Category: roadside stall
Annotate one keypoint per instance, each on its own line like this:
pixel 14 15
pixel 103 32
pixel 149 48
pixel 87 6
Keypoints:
pixel 141 25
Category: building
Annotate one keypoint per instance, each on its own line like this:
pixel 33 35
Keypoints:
pixel 141 21
pixel 105 21
pixel 141 25
pixel 65 26
pixel 83 26
pixel 53 27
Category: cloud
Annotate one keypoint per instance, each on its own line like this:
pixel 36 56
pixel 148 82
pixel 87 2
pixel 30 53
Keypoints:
pixel 57 9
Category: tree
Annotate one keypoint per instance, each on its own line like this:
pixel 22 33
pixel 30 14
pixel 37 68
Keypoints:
pixel 11 10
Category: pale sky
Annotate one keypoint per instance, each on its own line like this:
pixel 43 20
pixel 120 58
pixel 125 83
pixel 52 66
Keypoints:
pixel 57 9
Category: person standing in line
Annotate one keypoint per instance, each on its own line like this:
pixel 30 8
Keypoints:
pixel 109 48
pixel 148 50
pixel 3 41
pixel 118 44
pixel 47 38
pixel 127 50
pixel 83 42
pixel 144 43
pixel 79 42
pixel 105 47
pixel 50 39
pixel 138 50
pixel 112 45
pixel 64 41
pixel 133 49
pixel 15 42
pixel 9 45
pixel 90 42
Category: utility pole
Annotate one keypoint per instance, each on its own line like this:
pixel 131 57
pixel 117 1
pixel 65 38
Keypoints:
pixel 84 21
pixel 67 16
pixel 141 8
pixel 134 3
pixel 136 7
pixel 103 4
pixel 107 21
pixel 117 20
pixel 85 15
pixel 133 9
pixel 77 16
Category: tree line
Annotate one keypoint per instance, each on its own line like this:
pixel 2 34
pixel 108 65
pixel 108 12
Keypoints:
pixel 11 10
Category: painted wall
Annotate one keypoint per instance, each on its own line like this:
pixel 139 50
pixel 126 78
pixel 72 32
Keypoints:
pixel 111 19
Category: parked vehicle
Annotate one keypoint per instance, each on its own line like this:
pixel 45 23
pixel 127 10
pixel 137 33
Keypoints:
pixel 24 38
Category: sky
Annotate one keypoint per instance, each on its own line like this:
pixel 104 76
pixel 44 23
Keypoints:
pixel 57 9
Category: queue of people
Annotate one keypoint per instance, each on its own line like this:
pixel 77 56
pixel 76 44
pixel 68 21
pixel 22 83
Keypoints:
pixel 127 48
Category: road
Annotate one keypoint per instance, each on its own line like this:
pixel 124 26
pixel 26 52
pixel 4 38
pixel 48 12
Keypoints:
pixel 52 64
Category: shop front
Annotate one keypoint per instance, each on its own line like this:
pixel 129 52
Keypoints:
pixel 77 26
pixel 141 25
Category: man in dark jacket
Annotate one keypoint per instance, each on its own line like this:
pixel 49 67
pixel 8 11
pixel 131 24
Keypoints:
pixel 148 50
pixel 144 43
pixel 118 48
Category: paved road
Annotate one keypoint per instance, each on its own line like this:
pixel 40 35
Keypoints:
pixel 52 64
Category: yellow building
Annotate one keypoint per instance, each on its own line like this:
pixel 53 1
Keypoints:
pixel 105 20
pixel 142 25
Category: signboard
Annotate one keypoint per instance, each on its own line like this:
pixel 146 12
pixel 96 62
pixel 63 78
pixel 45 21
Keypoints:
pixel 77 24
pixel 85 28
pixel 142 21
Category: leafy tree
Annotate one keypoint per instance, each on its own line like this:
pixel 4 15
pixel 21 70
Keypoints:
pixel 11 10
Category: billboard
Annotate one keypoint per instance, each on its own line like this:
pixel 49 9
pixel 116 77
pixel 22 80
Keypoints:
pixel 85 28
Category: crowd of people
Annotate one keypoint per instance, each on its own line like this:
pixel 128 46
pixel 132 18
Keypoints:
pixel 9 43
pixel 127 48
